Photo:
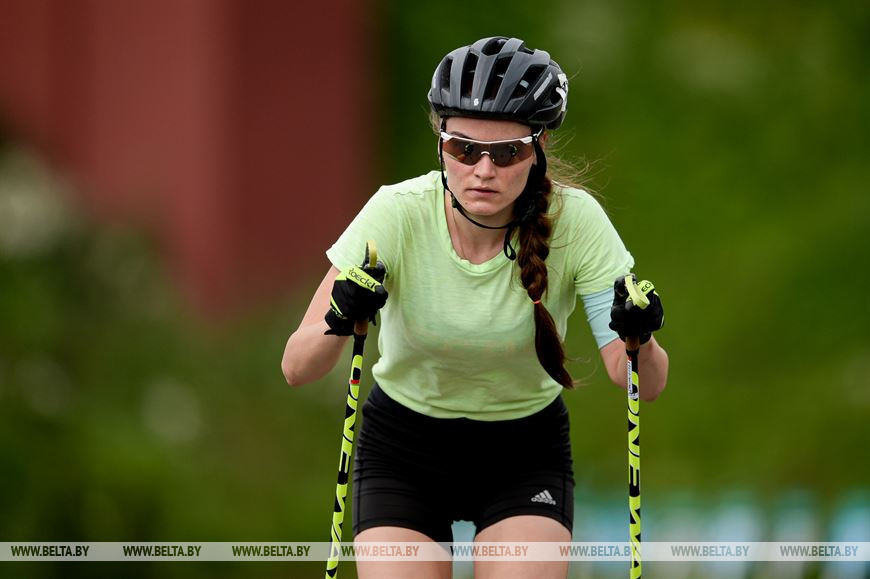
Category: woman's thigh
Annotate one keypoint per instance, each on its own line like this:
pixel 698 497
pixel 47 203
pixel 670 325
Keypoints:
pixel 523 529
pixel 399 569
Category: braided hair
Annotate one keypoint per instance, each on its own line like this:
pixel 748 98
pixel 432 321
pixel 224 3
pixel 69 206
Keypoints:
pixel 534 235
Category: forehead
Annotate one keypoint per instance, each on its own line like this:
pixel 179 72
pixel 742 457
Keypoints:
pixel 487 129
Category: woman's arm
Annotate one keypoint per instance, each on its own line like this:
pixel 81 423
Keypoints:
pixel 309 354
pixel 652 362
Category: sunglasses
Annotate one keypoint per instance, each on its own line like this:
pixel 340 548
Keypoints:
pixel 501 153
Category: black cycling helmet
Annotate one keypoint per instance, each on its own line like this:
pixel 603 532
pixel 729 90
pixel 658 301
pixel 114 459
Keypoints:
pixel 499 78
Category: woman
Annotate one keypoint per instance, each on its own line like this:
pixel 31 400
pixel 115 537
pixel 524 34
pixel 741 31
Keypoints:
pixel 484 260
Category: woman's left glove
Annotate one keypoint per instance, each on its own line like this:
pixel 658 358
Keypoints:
pixel 627 318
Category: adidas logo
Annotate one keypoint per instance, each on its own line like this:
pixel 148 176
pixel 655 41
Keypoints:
pixel 544 497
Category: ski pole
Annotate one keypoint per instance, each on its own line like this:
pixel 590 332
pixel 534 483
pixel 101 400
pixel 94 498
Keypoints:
pixel 359 337
pixel 632 346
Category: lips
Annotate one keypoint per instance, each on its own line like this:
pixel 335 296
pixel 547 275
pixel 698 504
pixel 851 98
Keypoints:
pixel 482 190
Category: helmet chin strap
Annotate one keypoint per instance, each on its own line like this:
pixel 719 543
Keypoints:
pixel 525 203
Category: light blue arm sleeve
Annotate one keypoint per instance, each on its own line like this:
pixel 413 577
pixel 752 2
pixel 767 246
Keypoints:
pixel 597 306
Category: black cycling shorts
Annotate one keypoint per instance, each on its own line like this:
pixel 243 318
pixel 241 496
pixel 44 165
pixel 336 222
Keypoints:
pixel 423 473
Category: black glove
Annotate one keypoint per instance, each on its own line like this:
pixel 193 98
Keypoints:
pixel 357 294
pixel 627 318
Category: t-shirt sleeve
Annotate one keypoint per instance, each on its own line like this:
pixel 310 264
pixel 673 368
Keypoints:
pixel 601 255
pixel 379 220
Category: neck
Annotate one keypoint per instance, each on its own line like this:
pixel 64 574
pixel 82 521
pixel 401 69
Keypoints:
pixel 471 242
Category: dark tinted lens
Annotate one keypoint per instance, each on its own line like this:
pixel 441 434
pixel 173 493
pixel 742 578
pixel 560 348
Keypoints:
pixel 463 151
pixel 503 154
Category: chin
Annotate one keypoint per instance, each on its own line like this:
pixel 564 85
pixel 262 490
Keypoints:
pixel 481 206
pixel 487 210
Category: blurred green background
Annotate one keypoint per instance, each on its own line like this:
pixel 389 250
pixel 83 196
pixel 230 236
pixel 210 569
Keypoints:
pixel 730 145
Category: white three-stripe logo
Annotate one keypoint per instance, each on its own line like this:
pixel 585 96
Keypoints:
pixel 544 497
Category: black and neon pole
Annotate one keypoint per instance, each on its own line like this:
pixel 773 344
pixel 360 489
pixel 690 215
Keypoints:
pixel 360 331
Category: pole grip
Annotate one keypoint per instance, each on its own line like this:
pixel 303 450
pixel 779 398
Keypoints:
pixel 370 262
pixel 361 327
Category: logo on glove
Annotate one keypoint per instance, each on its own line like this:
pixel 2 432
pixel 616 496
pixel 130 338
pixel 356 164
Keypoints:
pixel 364 280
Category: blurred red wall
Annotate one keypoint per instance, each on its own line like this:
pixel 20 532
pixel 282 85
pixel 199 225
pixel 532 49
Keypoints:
pixel 234 131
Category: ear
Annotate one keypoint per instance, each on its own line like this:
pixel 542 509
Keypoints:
pixel 544 138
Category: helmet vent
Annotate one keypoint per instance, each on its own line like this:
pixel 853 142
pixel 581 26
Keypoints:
pixel 444 73
pixel 493 46
pixel 468 75
pixel 498 72
pixel 529 78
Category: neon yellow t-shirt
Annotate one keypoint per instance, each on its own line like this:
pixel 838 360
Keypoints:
pixel 456 338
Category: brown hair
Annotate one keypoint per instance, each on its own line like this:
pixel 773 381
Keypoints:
pixel 532 257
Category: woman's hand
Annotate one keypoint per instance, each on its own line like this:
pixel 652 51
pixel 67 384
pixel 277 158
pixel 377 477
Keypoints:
pixel 628 318
pixel 357 294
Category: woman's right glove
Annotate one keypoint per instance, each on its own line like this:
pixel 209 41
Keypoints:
pixel 357 294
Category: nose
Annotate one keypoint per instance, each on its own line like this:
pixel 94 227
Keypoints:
pixel 484 168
